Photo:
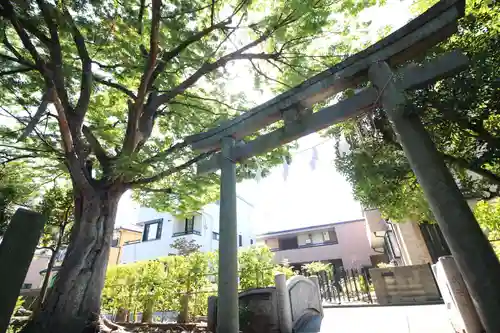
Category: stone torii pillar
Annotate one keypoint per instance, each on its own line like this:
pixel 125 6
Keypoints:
pixel 227 302
pixel 471 250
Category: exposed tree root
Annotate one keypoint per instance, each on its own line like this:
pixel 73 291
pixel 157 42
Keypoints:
pixel 107 326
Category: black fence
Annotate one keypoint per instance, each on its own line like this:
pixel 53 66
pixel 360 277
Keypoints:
pixel 344 286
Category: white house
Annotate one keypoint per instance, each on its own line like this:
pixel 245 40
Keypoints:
pixel 160 230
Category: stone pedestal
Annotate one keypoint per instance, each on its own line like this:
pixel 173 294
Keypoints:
pixel 461 310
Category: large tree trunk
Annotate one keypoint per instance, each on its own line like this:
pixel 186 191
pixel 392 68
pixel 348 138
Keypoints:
pixel 73 304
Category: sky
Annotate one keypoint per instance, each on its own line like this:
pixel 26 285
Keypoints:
pixel 308 196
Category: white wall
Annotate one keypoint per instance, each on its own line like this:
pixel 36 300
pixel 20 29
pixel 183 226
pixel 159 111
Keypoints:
pixel 153 248
pixel 206 223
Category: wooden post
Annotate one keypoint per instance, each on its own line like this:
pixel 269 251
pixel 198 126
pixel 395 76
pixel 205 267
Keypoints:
pixel 227 307
pixel 473 253
pixel 16 252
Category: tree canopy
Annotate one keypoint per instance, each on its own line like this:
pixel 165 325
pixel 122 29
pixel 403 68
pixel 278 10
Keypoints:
pixel 461 113
pixel 107 90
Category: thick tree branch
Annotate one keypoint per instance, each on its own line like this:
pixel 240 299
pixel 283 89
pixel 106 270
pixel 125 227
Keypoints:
pixel 33 150
pixel 17 56
pixel 15 158
pixel 457 161
pixel 7 11
pixel 156 190
pixel 140 25
pixel 452 115
pixel 16 71
pixel 86 77
pixel 135 111
pixel 36 118
pixel 260 72
pixel 21 62
pixel 56 64
pixel 209 67
pixel 169 55
pixel 188 95
pixel 97 148
pixel 170 171
pixel 464 164
pixel 115 85
pixel 75 166
pixel 165 153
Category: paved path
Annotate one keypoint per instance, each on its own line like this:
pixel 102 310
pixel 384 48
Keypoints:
pixel 387 319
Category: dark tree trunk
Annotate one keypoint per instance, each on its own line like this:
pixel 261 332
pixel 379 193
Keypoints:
pixel 73 303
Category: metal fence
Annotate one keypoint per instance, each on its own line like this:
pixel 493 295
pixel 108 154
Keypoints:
pixel 346 286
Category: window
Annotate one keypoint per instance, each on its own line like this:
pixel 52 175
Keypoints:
pixel 152 230
pixel 215 235
pixel 251 241
pixel 288 243
pixel 330 237
pixel 240 240
pixel 309 239
pixel 27 286
pixel 189 225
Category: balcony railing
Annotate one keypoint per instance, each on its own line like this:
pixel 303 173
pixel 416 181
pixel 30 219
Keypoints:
pixel 131 242
pixel 306 246
pixel 183 233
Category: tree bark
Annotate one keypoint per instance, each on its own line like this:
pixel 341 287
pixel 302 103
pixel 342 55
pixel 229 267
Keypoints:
pixel 73 304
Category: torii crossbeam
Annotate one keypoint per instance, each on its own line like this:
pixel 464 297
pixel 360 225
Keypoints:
pixel 467 242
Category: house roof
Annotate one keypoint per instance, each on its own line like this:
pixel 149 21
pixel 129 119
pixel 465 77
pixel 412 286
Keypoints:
pixel 133 228
pixel 305 229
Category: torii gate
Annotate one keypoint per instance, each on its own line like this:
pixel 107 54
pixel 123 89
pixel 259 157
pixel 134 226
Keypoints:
pixel 473 253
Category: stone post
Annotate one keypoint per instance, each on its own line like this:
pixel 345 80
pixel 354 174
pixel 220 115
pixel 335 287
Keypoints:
pixel 227 305
pixel 284 307
pixel 16 252
pixel 472 252
pixel 315 280
pixel 457 299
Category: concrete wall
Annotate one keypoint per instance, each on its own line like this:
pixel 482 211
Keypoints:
pixel 375 225
pixel 33 276
pixel 405 285
pixel 413 247
pixel 206 223
pixel 353 247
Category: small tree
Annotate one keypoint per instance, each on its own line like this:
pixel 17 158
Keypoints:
pixel 315 267
pixel 185 247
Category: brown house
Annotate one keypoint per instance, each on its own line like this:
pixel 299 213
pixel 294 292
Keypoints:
pixel 342 244
pixel 122 236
